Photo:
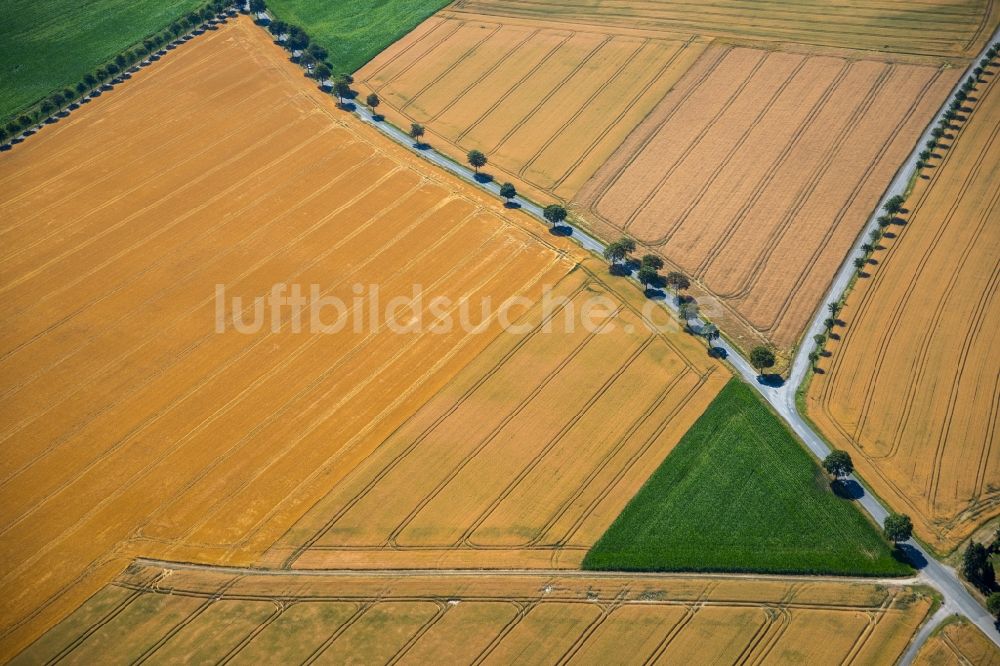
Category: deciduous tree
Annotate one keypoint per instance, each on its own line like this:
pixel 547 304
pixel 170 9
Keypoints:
pixel 897 527
pixel 761 358
pixel 554 214
pixel 476 159
pixel 838 463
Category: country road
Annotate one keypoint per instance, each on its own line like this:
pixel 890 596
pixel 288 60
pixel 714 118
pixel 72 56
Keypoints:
pixel 957 599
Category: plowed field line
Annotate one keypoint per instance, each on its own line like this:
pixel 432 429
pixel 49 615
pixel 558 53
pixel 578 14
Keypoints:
pixel 58 230
pixel 108 368
pixel 845 207
pixel 188 619
pixel 358 614
pixel 575 526
pixel 972 336
pixel 808 188
pixel 487 72
pixel 279 610
pixel 736 146
pixel 601 464
pixel 401 652
pixel 177 400
pixel 583 107
pixel 554 440
pixel 695 141
pixel 100 623
pixel 355 389
pixel 769 175
pixel 101 156
pixel 599 196
pixel 364 432
pixel 444 38
pixel 515 86
pixel 383 471
pixel 902 304
pixel 657 75
pixel 456 22
pixel 549 95
pixel 164 228
pixel 451 66
pixel 391 540
pixel 180 280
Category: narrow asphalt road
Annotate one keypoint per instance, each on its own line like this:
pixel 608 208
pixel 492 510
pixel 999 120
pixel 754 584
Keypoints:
pixel 782 398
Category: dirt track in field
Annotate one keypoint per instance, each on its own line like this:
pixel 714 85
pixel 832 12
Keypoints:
pixel 755 173
pixel 547 102
pixel 132 426
pixel 912 388
pixel 941 28
pixel 541 618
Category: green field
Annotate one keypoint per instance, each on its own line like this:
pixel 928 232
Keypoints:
pixel 45 46
pixel 739 493
pixel 354 31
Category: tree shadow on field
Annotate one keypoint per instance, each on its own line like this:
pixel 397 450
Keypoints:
pixel 847 489
pixel 904 552
pixel 620 270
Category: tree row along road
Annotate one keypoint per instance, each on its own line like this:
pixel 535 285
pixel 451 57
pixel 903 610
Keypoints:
pixel 957 599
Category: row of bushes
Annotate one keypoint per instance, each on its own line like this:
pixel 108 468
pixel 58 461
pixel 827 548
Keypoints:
pixel 113 69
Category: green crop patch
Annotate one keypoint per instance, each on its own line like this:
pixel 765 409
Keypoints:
pixel 354 31
pixel 47 46
pixel 739 493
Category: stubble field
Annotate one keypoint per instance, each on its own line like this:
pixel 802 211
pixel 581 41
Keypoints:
pixel 756 172
pixel 480 618
pixel 912 387
pixel 547 102
pixel 958 644
pixel 528 455
pixel 937 27
pixel 129 424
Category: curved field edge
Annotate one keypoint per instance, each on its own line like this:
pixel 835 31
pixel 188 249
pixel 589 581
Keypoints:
pixel 51 45
pixel 355 31
pixel 740 494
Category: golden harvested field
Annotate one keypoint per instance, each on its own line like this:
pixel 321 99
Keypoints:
pixel 528 455
pixel 958 644
pixel 902 27
pixel 756 172
pixel 129 424
pixel 547 102
pixel 167 615
pixel 912 388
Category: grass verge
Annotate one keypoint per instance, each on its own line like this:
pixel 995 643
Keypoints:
pixel 740 494
pixel 354 31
